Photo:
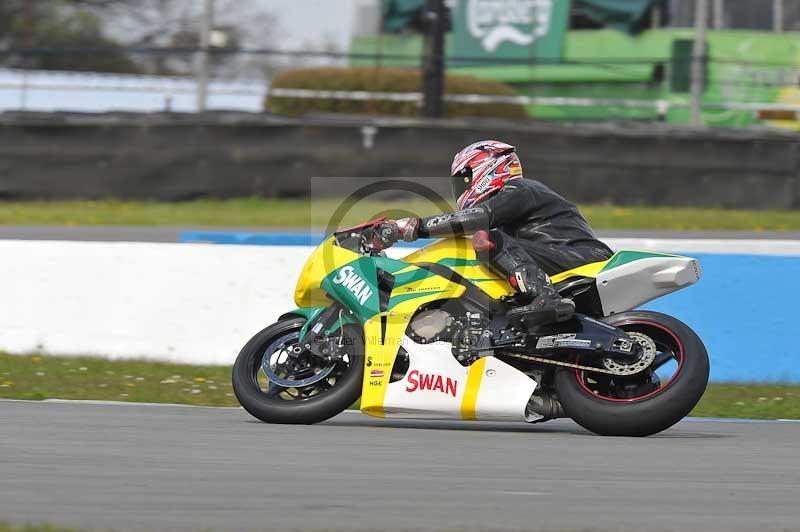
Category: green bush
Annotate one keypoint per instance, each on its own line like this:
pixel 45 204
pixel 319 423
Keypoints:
pixel 383 80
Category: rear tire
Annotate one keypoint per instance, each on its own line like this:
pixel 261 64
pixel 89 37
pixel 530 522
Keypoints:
pixel 325 405
pixel 654 411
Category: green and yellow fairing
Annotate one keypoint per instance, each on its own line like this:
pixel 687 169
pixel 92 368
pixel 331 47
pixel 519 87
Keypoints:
pixel 354 281
pixel 322 277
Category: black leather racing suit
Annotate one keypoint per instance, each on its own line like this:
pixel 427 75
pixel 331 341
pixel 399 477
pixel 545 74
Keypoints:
pixel 533 229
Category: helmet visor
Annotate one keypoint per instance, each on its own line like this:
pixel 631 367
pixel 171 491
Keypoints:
pixel 461 182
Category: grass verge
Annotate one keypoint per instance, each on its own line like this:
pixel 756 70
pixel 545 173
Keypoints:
pixel 39 377
pixel 304 213
pixel 5 527
pixel 43 377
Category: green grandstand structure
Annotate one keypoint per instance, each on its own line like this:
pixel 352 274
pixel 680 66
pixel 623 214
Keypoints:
pixel 752 76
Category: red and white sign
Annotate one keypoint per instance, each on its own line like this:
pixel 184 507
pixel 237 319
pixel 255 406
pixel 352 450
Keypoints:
pixel 430 381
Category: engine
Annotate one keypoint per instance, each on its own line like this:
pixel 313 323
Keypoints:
pixel 431 325
pixel 463 331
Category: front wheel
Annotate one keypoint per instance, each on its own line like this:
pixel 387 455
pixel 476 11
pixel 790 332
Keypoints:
pixel 278 382
pixel 646 401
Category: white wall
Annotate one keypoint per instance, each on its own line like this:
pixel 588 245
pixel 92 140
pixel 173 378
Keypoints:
pixel 193 303
pixel 41 90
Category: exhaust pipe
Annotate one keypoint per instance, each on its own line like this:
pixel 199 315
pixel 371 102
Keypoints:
pixel 543 408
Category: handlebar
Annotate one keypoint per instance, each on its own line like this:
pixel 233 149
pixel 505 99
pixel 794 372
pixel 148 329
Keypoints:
pixel 358 239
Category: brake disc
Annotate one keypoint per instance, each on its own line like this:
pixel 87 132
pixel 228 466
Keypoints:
pixel 281 355
pixel 649 351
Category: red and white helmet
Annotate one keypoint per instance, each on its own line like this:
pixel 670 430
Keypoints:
pixel 481 169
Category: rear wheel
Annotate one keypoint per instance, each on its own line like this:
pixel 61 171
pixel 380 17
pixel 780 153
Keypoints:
pixel 278 382
pixel 645 401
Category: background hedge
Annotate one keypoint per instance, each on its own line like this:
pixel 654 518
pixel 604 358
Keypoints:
pixel 383 80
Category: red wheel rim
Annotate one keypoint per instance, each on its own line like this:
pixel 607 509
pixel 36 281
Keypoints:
pixel 680 358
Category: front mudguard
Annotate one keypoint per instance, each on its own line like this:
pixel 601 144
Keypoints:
pixel 311 314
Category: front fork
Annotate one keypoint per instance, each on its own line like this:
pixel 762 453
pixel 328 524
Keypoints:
pixel 316 335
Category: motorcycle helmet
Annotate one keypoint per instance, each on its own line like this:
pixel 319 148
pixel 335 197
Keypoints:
pixel 482 169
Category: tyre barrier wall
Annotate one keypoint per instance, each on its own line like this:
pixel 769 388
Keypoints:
pixel 173 157
pixel 199 303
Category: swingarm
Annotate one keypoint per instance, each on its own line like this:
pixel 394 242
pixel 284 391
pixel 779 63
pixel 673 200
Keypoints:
pixel 582 333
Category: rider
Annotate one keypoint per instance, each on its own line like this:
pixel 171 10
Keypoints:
pixel 519 226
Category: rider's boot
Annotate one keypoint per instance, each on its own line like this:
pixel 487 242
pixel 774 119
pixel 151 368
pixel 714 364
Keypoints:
pixel 545 306
pixel 540 303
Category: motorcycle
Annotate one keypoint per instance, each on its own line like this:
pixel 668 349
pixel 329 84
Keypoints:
pixel 428 337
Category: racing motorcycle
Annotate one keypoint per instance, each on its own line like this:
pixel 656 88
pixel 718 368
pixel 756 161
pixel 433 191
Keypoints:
pixel 428 337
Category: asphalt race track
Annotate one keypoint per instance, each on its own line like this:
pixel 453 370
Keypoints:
pixel 169 467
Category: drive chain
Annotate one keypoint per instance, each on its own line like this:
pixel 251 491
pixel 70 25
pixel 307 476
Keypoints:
pixel 563 364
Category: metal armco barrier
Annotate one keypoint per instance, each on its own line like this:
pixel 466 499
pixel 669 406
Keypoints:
pixel 662 106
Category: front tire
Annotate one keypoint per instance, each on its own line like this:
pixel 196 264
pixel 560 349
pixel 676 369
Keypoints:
pixel 639 405
pixel 301 404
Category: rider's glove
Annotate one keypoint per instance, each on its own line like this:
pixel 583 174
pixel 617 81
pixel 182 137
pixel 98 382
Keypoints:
pixel 385 235
pixel 390 231
pixel 408 228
